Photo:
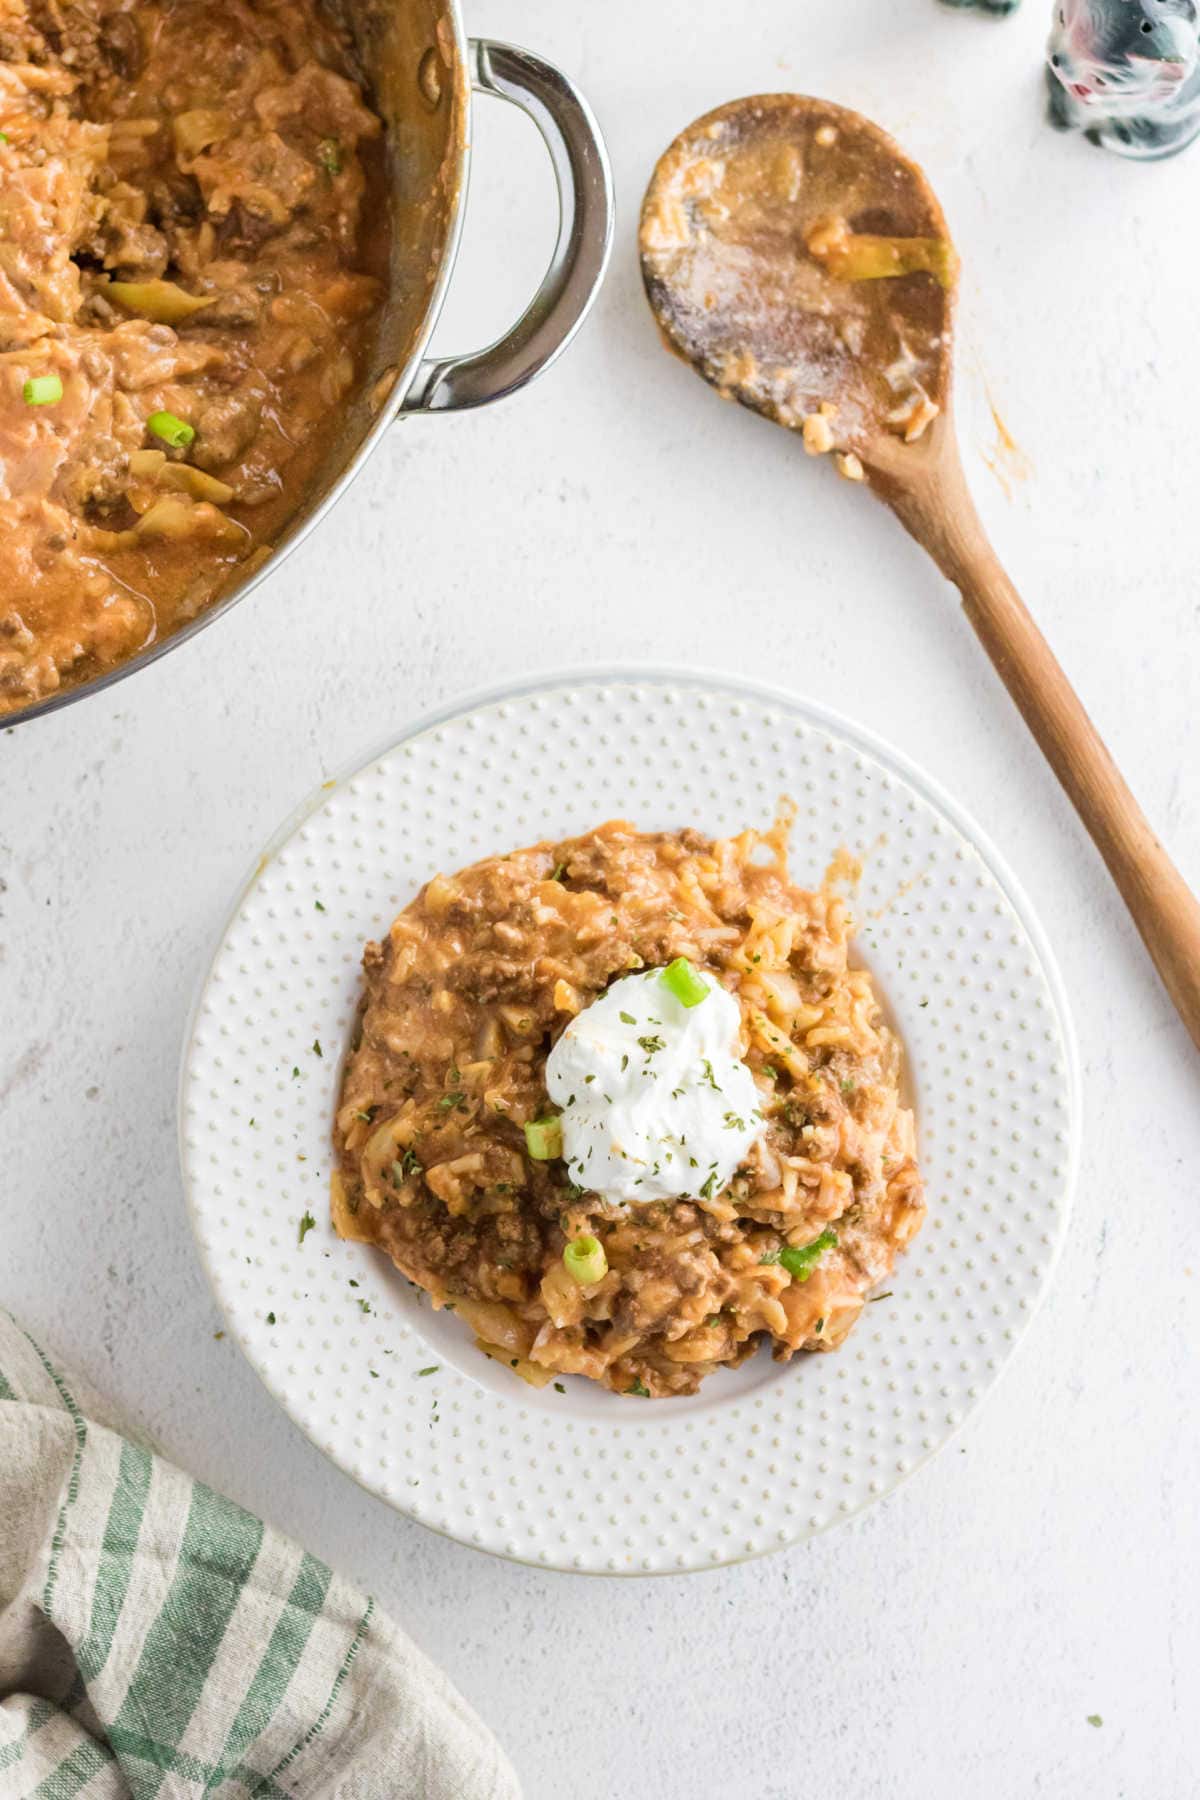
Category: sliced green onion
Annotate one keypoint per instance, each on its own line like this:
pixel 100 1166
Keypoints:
pixel 42 390
pixel 801 1261
pixel 585 1261
pixel 543 1139
pixel 176 432
pixel 688 987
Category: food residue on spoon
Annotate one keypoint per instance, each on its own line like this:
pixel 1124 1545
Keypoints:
pixel 866 256
pixel 791 257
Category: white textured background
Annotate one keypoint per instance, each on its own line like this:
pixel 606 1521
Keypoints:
pixel 952 1642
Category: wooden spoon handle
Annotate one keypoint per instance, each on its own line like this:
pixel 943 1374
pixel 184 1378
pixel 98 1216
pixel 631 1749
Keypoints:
pixel 942 518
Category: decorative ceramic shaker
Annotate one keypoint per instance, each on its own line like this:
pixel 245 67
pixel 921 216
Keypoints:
pixel 1127 73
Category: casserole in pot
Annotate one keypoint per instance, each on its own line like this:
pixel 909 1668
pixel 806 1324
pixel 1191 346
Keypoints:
pixel 226 228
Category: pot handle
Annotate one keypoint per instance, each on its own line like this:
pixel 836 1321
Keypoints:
pixel 585 228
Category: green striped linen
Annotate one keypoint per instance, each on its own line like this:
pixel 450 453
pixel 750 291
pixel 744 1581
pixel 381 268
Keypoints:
pixel 158 1642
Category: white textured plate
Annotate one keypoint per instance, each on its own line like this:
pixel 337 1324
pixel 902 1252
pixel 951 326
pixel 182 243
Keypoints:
pixel 586 1479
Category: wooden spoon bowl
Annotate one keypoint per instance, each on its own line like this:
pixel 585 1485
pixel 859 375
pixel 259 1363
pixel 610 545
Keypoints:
pixel 725 237
pixel 797 259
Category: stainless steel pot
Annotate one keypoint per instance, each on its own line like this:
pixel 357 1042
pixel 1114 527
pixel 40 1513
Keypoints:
pixel 422 71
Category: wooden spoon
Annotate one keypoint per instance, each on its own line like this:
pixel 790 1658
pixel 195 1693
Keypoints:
pixel 796 258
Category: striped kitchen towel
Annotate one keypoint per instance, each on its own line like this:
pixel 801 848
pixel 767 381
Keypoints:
pixel 156 1640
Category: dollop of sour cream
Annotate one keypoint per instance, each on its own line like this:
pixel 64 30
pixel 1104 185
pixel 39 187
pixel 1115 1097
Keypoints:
pixel 654 1099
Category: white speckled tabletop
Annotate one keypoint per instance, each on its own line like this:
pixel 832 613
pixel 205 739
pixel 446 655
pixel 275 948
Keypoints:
pixel 954 1639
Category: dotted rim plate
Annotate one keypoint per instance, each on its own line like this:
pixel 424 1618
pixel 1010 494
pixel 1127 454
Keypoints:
pixel 581 1479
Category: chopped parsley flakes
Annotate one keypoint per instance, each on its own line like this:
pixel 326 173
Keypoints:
pixel 409 1165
